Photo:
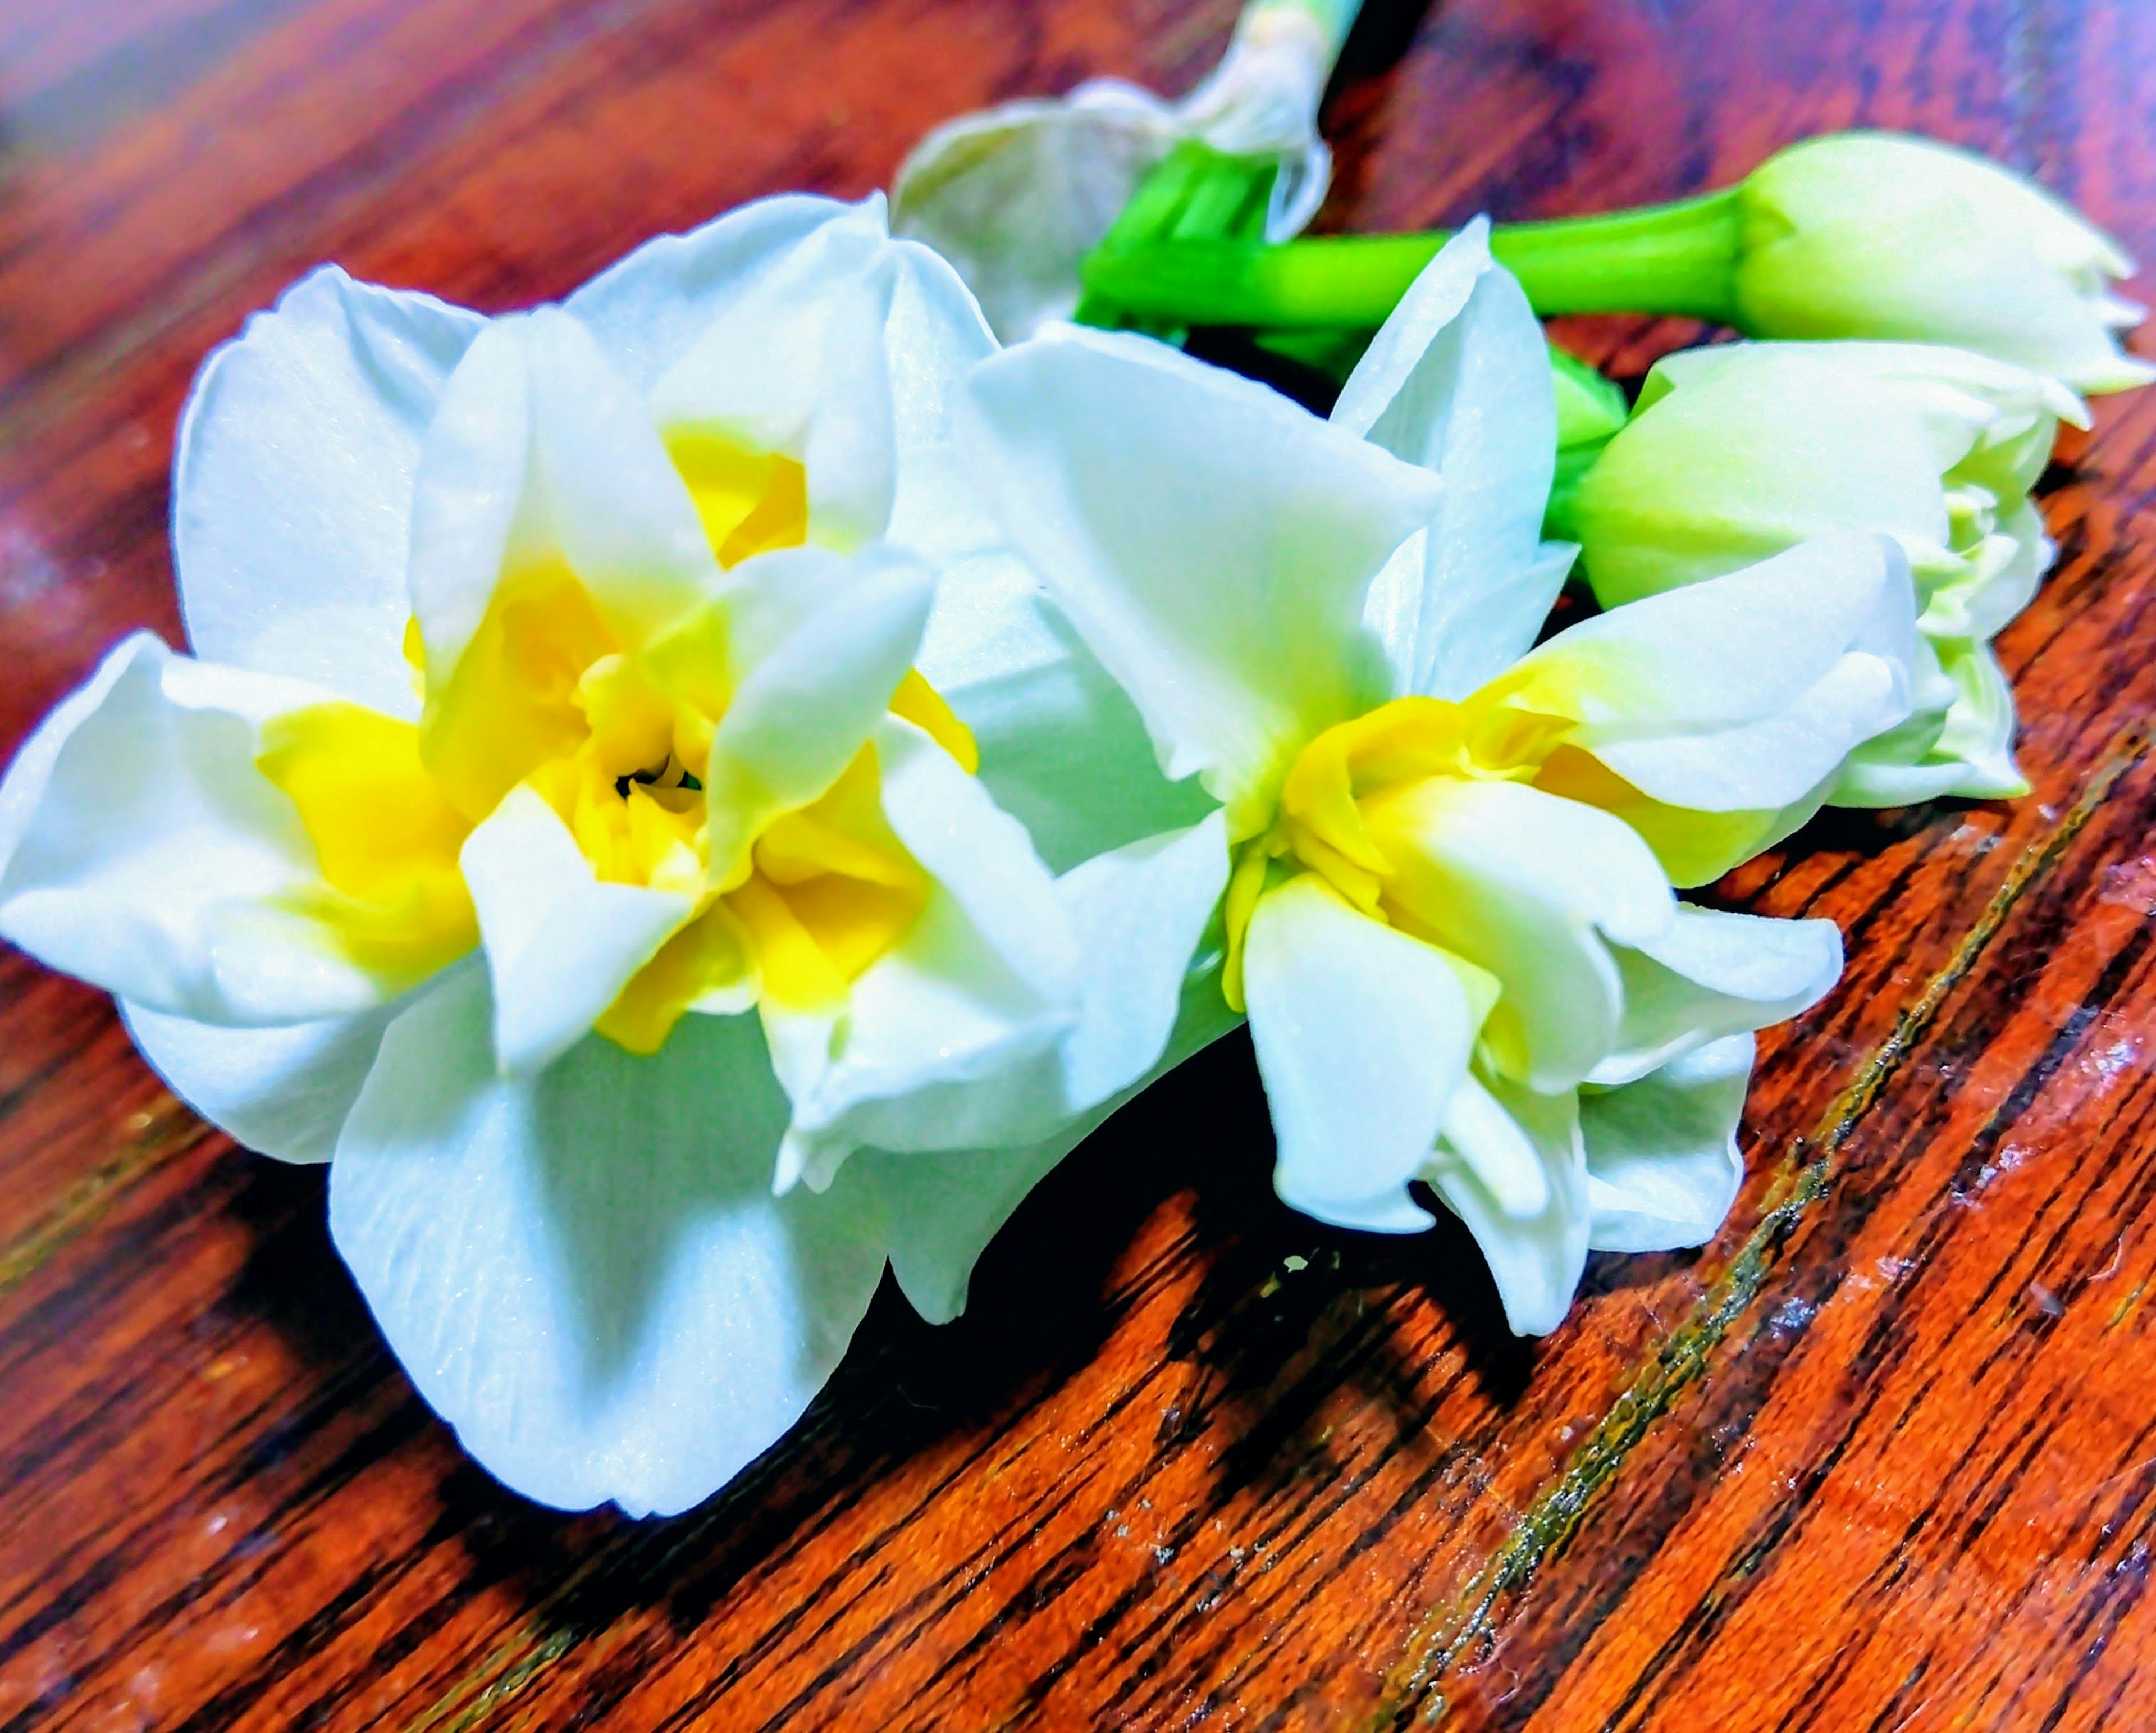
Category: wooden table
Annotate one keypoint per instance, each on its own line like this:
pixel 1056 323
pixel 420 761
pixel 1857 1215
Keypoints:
pixel 1882 1457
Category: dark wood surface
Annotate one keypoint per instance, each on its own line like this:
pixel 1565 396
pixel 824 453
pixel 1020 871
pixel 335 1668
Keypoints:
pixel 1882 1457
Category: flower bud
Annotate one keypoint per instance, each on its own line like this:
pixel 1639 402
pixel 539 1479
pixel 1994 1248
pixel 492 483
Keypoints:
pixel 1738 451
pixel 1870 234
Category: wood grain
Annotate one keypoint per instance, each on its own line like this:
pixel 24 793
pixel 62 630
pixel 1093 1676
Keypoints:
pixel 1881 1457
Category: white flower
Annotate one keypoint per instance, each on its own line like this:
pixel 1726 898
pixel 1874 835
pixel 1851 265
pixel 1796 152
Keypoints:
pixel 1451 914
pixel 1017 196
pixel 1870 234
pixel 557 709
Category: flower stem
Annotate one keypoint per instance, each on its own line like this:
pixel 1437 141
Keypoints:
pixel 1671 259
pixel 1194 193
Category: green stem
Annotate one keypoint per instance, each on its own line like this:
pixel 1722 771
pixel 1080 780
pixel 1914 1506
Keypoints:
pixel 1195 192
pixel 1672 258
pixel 1198 192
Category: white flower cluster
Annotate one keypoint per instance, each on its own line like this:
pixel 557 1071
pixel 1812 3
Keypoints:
pixel 691 796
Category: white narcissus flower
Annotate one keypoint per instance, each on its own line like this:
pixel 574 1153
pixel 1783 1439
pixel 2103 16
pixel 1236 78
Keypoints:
pixel 1876 234
pixel 557 831
pixel 1017 196
pixel 1738 451
pixel 1450 913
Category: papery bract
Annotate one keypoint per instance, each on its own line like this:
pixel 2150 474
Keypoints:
pixel 1017 196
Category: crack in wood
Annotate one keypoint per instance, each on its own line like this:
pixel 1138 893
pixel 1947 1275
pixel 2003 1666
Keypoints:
pixel 1806 1174
pixel 149 1139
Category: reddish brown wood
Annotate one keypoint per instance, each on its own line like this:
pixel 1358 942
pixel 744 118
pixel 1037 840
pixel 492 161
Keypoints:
pixel 1881 1457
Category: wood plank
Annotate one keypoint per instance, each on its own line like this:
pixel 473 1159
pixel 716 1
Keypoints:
pixel 1848 1466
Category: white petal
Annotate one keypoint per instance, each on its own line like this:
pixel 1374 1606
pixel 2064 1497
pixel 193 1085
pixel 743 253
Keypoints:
pixel 1968 753
pixel 1458 381
pixel 1017 196
pixel 1212 543
pixel 1533 889
pixel 540 452
pixel 1710 975
pixel 1138 913
pixel 585 1271
pixel 797 325
pixel 819 642
pixel 933 339
pixel 1362 1037
pixel 1662 1165
pixel 1062 748
pixel 560 945
pixel 1479 617
pixel 1536 1259
pixel 282 1092
pixel 797 366
pixel 944 1207
pixel 650 308
pixel 292 485
pixel 1489 1144
pixel 2004 577
pixel 1744 692
pixel 952 1039
pixel 1979 735
pixel 142 850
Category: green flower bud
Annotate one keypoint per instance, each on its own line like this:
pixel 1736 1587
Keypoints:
pixel 1739 451
pixel 1870 234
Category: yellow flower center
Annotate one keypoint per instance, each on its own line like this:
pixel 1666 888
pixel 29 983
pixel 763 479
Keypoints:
pixel 1358 797
pixel 1324 817
pixel 614 737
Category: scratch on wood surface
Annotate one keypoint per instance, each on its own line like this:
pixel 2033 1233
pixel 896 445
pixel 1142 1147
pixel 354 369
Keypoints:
pixel 147 1140
pixel 470 1705
pixel 1806 1174
pixel 542 1637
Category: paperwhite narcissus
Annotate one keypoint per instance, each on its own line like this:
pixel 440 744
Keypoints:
pixel 1017 196
pixel 1738 451
pixel 557 709
pixel 1876 234
pixel 1450 913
